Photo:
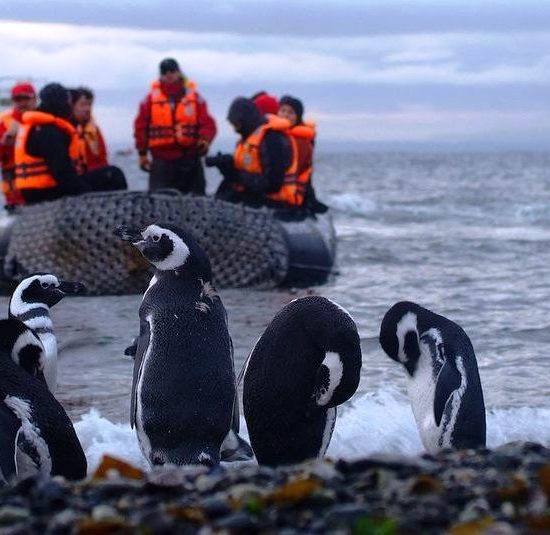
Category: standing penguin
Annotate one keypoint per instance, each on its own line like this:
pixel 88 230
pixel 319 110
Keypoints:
pixel 31 302
pixel 37 435
pixel 306 363
pixel 183 390
pixel 443 379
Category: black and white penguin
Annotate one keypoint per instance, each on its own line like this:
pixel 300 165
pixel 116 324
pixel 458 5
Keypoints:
pixel 443 378
pixel 37 435
pixel 31 302
pixel 183 390
pixel 306 363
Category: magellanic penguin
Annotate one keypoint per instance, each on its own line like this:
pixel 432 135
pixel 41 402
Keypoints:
pixel 37 435
pixel 306 363
pixel 31 302
pixel 183 390
pixel 443 379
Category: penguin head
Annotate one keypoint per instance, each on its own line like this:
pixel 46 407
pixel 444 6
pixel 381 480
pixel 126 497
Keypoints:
pixel 399 335
pixel 41 289
pixel 22 345
pixel 169 248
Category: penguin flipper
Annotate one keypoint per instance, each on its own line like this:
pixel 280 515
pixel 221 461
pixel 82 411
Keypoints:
pixel 131 350
pixel 448 381
pixel 10 425
pixel 141 349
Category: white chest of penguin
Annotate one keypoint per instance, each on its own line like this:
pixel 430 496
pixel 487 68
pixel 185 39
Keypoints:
pixel 421 390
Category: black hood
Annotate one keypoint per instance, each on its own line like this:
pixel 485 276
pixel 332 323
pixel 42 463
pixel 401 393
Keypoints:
pixel 54 99
pixel 296 105
pixel 244 113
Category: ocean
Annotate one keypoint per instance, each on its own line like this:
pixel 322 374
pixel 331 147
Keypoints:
pixel 465 235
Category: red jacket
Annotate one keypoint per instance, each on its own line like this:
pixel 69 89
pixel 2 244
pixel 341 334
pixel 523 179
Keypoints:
pixel 7 150
pixel 207 126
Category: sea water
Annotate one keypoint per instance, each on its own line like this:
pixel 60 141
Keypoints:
pixel 465 235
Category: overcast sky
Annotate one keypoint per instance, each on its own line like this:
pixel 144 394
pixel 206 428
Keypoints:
pixel 388 74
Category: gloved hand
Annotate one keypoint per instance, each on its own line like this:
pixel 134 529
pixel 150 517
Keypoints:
pixel 144 163
pixel 221 161
pixel 202 146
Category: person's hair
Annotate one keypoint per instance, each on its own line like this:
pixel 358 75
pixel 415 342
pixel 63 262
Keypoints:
pixel 81 91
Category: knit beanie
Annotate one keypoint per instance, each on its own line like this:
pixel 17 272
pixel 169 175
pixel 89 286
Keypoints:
pixel 266 103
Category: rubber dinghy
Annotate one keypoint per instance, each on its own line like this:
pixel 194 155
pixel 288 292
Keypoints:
pixel 73 238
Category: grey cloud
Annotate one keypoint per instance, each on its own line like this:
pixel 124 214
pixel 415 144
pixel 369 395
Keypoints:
pixel 288 17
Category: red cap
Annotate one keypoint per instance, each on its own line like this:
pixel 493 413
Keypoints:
pixel 23 89
pixel 267 103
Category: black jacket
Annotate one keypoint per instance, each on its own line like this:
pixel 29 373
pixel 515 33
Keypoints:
pixel 52 144
pixel 275 149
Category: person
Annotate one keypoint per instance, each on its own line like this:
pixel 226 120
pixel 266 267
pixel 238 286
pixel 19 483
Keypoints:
pixel 303 133
pixel 262 171
pixel 267 104
pixel 46 151
pixel 92 161
pixel 23 97
pixel 174 125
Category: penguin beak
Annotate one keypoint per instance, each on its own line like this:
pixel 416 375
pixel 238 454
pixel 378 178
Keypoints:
pixel 129 234
pixel 67 287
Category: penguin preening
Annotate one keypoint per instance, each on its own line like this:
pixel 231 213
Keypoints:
pixel 443 378
pixel 307 362
pixel 184 401
pixel 31 302
pixel 37 435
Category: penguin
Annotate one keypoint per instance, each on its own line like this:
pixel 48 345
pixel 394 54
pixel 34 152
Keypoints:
pixel 184 397
pixel 31 302
pixel 443 379
pixel 37 435
pixel 306 363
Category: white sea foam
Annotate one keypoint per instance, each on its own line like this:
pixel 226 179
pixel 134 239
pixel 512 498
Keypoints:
pixel 379 422
pixel 100 436
pixel 352 203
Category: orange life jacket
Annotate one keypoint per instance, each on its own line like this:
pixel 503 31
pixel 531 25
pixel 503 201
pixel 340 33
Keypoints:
pixel 304 134
pixel 173 125
pixel 31 172
pixel 247 158
pixel 90 147
pixel 12 195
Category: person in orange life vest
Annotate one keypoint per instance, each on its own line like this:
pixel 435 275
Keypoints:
pixel 45 149
pixel 259 168
pixel 292 109
pixel 174 125
pixel 267 104
pixel 92 152
pixel 23 96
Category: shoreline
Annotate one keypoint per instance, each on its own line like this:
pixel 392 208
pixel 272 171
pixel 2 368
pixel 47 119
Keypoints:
pixel 500 491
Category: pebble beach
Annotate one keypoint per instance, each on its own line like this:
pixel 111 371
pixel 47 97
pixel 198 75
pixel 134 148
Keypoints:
pixel 501 491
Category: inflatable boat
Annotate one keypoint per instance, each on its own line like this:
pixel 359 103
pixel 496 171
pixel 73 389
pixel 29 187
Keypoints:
pixel 73 238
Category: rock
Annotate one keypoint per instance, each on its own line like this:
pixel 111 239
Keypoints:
pixel 237 521
pixel 215 506
pixel 10 514
pixel 105 512
pixel 345 514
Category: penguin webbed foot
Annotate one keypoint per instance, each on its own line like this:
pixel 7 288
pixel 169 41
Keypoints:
pixel 235 448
